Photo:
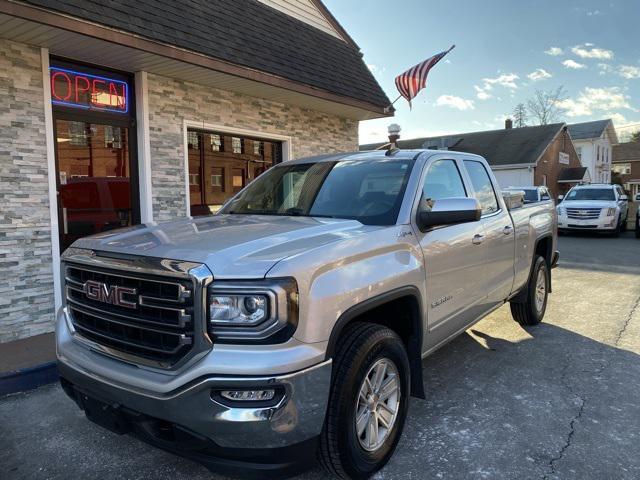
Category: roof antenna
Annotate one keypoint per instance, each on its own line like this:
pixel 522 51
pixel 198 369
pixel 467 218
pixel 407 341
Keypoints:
pixel 394 136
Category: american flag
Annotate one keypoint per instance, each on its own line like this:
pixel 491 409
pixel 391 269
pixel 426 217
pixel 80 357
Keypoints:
pixel 413 80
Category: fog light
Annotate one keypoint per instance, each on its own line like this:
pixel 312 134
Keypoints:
pixel 248 395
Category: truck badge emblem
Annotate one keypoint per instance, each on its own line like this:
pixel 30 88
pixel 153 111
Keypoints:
pixel 114 294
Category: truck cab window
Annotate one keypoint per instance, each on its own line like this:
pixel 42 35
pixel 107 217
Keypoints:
pixel 443 180
pixel 483 187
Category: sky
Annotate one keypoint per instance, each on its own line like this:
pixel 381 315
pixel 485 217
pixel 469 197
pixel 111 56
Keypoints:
pixel 505 51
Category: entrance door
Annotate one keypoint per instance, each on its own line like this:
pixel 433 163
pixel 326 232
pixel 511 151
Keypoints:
pixel 454 257
pixel 94 173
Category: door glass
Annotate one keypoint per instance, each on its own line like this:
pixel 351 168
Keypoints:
pixel 94 178
pixel 443 180
pixel 482 185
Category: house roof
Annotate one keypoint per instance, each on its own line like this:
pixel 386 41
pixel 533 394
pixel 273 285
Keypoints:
pixel 583 131
pixel 247 33
pixel 626 152
pixel 513 146
pixel 574 174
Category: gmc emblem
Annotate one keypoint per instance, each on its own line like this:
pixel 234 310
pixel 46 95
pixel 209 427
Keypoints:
pixel 113 295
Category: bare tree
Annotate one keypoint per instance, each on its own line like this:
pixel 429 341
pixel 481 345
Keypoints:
pixel 520 115
pixel 635 136
pixel 543 106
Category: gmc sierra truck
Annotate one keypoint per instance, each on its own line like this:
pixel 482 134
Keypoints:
pixel 293 324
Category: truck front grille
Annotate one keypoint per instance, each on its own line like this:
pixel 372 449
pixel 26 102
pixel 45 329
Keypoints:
pixel 584 213
pixel 146 316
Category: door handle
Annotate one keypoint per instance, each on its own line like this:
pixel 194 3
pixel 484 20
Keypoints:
pixel 507 230
pixel 477 239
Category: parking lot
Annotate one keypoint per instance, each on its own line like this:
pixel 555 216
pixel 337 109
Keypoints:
pixel 559 400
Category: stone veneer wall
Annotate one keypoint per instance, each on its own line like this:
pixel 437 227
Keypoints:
pixel 172 101
pixel 26 285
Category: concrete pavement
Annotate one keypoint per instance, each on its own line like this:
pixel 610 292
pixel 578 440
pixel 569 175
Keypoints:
pixel 556 401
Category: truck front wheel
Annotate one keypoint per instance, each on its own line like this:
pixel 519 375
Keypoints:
pixel 531 310
pixel 368 401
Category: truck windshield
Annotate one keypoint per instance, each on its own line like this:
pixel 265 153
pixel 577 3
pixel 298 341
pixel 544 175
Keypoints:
pixel 368 191
pixel 591 194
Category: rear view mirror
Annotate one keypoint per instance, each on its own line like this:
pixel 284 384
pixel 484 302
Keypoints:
pixel 624 198
pixel 560 197
pixel 447 211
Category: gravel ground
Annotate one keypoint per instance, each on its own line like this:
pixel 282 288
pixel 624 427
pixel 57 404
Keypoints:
pixel 557 401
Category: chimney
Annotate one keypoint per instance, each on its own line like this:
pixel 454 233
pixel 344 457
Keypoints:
pixel 508 124
pixel 394 135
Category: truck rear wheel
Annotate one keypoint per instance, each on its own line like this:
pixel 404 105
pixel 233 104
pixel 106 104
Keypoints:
pixel 531 310
pixel 368 402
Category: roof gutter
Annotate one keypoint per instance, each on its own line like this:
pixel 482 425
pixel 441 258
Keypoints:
pixel 512 166
pixel 101 32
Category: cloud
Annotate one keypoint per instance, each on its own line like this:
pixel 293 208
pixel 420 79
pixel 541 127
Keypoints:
pixel 593 13
pixel 605 68
pixel 592 100
pixel 554 51
pixel 372 67
pixel 507 80
pixel 455 102
pixel 573 64
pixel 629 71
pixel 617 118
pixel 588 51
pixel 481 93
pixel 539 74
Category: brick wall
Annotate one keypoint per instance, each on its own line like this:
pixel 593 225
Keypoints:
pixel 550 165
pixel 172 101
pixel 26 289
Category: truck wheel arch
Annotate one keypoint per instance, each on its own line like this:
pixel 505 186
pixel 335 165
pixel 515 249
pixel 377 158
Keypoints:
pixel 372 310
pixel 543 246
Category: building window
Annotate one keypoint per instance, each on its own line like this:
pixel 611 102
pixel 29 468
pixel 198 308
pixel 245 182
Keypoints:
pixel 216 143
pixel 579 152
pixel 112 137
pixel 621 168
pixel 216 180
pixel 236 145
pixel 598 153
pixel 544 180
pixel 193 139
pixel 194 179
pixel 258 148
pixel 78 134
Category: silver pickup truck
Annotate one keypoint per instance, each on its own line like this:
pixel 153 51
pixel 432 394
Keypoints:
pixel 294 323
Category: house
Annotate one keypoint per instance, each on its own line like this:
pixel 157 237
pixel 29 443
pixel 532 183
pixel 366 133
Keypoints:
pixel 527 156
pixel 594 142
pixel 626 163
pixel 121 113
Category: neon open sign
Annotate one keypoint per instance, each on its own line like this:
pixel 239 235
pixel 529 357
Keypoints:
pixel 89 92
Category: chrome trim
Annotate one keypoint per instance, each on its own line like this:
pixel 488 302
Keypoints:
pixel 199 276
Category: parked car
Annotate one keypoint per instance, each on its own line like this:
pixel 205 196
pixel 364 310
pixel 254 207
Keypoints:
pixel 594 207
pixel 532 194
pixel 294 322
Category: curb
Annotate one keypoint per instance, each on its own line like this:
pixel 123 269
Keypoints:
pixel 28 378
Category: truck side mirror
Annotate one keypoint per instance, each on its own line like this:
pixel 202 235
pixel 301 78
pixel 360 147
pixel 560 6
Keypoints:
pixel 560 197
pixel 447 211
pixel 624 198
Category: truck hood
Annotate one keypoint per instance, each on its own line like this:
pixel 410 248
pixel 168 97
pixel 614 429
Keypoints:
pixel 589 204
pixel 232 246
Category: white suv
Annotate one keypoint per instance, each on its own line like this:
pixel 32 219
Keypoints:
pixel 598 207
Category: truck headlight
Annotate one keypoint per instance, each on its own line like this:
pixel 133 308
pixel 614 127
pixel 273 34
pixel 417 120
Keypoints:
pixel 237 309
pixel 611 212
pixel 252 310
pixel 561 211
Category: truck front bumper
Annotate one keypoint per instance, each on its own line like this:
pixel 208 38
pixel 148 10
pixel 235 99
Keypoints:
pixel 192 422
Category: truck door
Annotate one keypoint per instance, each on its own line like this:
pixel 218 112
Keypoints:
pixel 454 257
pixel 500 237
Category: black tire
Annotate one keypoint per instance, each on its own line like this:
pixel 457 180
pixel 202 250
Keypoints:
pixel 362 346
pixel 528 312
pixel 623 225
pixel 638 228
